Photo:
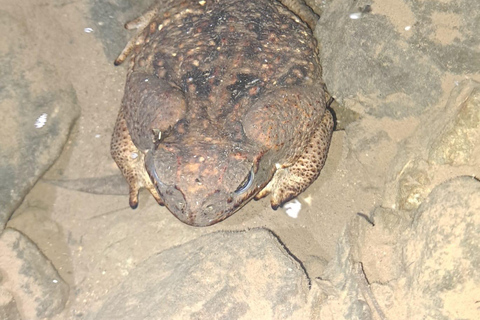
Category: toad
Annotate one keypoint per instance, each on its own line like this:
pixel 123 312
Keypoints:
pixel 223 103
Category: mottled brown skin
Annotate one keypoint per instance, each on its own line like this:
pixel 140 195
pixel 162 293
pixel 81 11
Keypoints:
pixel 223 102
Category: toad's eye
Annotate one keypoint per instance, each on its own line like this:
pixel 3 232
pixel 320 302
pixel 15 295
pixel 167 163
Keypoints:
pixel 246 183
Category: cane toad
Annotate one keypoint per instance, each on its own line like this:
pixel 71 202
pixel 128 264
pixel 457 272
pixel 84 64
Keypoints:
pixel 223 103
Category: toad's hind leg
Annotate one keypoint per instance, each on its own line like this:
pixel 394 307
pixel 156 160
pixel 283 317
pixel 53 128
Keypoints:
pixel 289 182
pixel 131 162
pixel 139 23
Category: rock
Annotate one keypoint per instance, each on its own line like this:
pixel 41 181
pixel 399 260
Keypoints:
pixel 442 253
pixel 225 275
pixel 399 268
pixel 445 146
pixel 456 143
pixel 341 289
pixel 353 284
pixel 39 290
pixel 392 59
pixel 37 108
pixel 8 306
pixel 376 244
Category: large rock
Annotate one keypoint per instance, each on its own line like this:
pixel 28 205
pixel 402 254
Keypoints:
pixel 397 267
pixel 39 290
pixel 392 60
pixel 442 253
pixel 37 106
pixel 226 275
pixel 445 146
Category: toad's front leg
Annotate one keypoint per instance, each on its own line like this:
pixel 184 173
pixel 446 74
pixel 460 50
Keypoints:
pixel 131 162
pixel 287 183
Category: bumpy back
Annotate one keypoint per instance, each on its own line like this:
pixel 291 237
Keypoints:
pixel 230 53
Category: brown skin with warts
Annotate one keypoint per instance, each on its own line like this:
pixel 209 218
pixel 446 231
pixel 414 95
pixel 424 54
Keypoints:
pixel 223 102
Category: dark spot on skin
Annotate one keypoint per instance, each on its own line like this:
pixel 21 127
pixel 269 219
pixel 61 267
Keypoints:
pixel 199 80
pixel 251 50
pixel 188 23
pixel 242 86
pixel 218 18
pixel 212 53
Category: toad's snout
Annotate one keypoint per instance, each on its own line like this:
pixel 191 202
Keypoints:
pixel 200 212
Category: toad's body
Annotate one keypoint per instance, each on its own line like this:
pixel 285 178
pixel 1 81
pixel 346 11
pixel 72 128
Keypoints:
pixel 223 102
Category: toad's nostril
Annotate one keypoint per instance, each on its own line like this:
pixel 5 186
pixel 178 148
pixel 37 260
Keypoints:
pixel 209 208
pixel 180 205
